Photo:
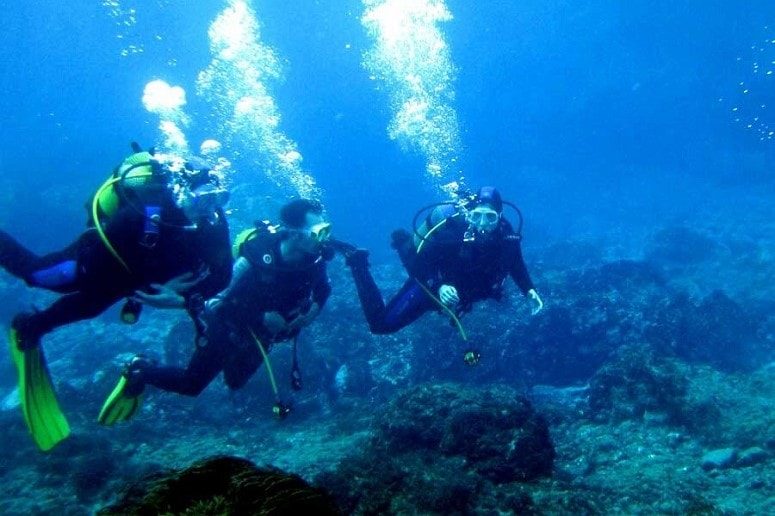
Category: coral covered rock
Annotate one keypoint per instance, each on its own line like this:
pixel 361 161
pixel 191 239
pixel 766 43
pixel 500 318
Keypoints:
pixel 634 382
pixel 680 246
pixel 223 485
pixel 496 431
pixel 437 448
pixel 717 331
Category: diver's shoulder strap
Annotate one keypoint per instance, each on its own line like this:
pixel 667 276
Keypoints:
pixel 258 244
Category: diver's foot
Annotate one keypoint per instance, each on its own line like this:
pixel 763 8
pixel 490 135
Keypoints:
pixel 134 371
pixel 130 311
pixel 27 334
pixel 124 400
pixel 399 239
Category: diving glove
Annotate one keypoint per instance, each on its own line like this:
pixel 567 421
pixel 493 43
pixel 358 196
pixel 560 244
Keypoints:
pixel 538 305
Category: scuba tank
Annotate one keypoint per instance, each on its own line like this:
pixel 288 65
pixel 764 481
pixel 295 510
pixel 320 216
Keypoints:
pixel 139 178
pixel 135 173
pixel 440 213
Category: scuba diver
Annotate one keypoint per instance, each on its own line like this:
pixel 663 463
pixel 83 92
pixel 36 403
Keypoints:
pixel 150 223
pixel 462 253
pixel 279 285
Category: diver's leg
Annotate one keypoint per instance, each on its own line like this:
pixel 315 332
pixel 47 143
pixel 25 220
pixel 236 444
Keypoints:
pixel 369 294
pixel 204 366
pixel 241 365
pixel 403 309
pixel 409 303
pixel 55 271
pixel 32 326
pixel 15 258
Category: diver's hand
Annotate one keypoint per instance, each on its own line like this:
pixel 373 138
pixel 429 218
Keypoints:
pixel 305 319
pixel 274 323
pixel 448 295
pixel 538 305
pixel 169 294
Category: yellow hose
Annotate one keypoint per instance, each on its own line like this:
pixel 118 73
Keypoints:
pixel 269 371
pixel 444 307
pixel 95 216
pixel 432 230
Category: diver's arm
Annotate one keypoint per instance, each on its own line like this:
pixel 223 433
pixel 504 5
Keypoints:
pixel 321 290
pixel 519 272
pixel 522 278
pixel 238 275
pixel 172 294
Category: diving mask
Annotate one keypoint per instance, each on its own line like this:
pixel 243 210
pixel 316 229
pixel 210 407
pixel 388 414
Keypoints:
pixel 483 219
pixel 320 232
pixel 205 201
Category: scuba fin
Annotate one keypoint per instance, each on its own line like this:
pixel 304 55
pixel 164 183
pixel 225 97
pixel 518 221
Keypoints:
pixel 120 405
pixel 44 418
pixel 124 400
pixel 130 312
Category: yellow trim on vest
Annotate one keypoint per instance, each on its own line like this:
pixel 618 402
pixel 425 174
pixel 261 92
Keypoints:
pixel 239 241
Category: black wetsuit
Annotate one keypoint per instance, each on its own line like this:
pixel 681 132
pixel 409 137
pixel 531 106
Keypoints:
pixel 91 277
pixel 476 265
pixel 261 283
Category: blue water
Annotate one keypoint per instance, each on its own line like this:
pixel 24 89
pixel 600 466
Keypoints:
pixel 602 120
pixel 555 103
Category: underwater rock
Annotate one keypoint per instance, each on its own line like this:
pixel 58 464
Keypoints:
pixel 719 459
pixel 436 445
pixel 625 276
pixel 717 331
pixel 635 383
pixel 750 457
pixel 592 313
pixel 353 378
pixel 496 430
pixel 223 485
pixel 680 246
pixel 88 462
